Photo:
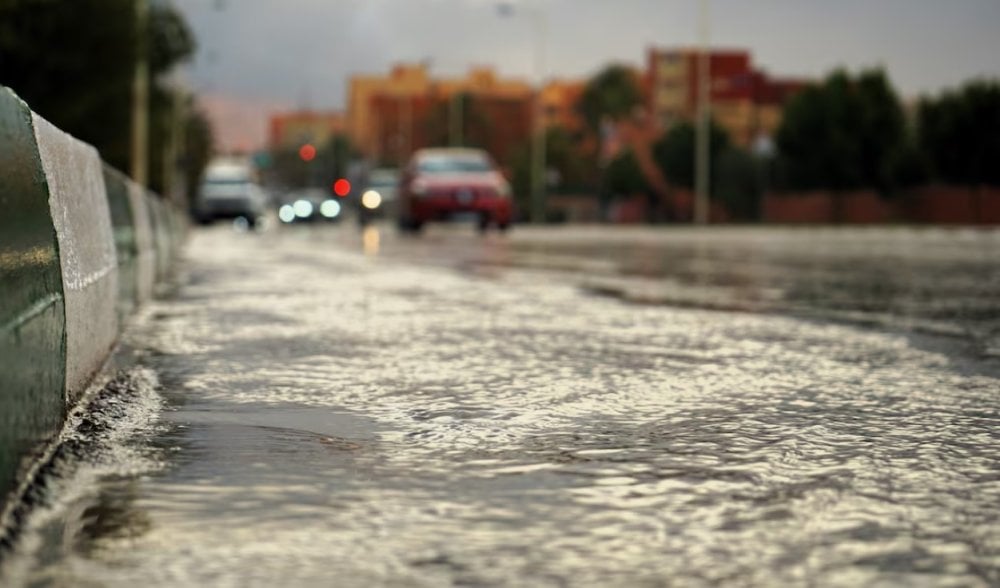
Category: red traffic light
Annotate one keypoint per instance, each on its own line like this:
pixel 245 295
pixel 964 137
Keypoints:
pixel 307 152
pixel 341 187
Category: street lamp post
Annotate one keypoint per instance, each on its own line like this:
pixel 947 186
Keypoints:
pixel 455 131
pixel 538 116
pixel 703 140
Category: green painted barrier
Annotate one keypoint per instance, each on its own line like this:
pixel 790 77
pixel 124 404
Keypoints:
pixel 81 246
pixel 160 220
pixel 126 248
pixel 133 240
pixel 32 313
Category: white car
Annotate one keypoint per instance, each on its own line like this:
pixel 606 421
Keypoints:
pixel 229 190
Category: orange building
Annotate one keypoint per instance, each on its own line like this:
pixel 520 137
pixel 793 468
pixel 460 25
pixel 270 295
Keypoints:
pixel 498 124
pixel 290 130
pixel 405 81
pixel 390 116
pixel 560 100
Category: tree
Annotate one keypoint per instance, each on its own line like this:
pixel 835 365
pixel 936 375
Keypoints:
pixel 624 177
pixel 197 149
pixel 845 134
pixel 564 155
pixel 959 134
pixel 737 184
pixel 612 93
pixel 72 61
pixel 674 152
pixel 331 162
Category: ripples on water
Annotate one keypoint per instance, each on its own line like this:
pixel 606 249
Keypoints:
pixel 336 418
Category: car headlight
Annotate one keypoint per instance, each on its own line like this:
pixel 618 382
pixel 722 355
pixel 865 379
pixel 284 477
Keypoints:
pixel 303 208
pixel 329 208
pixel 371 199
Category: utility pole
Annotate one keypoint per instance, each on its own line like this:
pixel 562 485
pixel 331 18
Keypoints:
pixel 139 159
pixel 538 148
pixel 407 124
pixel 538 108
pixel 703 139
pixel 457 112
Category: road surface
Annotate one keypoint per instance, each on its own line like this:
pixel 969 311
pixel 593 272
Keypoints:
pixel 319 406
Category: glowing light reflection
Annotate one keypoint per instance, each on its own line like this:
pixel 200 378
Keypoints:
pixel 303 208
pixel 329 208
pixel 371 199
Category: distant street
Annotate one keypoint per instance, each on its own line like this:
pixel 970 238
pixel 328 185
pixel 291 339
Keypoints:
pixel 554 407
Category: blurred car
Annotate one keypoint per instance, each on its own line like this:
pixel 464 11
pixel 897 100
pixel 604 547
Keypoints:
pixel 379 195
pixel 309 205
pixel 229 190
pixel 450 183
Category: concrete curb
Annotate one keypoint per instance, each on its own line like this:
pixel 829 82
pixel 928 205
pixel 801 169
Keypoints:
pixel 32 316
pixel 79 206
pixel 81 247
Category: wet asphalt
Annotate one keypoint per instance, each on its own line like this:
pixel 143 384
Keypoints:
pixel 324 406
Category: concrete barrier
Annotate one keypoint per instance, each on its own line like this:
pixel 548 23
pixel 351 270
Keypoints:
pixel 133 241
pixel 80 247
pixel 32 316
pixel 79 206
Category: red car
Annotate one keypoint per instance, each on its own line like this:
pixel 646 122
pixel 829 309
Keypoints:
pixel 441 184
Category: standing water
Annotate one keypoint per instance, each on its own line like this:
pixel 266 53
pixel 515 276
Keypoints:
pixel 748 407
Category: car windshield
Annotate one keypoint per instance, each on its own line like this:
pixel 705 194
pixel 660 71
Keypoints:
pixel 383 180
pixel 446 164
pixel 225 187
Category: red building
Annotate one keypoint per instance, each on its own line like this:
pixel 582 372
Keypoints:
pixel 744 101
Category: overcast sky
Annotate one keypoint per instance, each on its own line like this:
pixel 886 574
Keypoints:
pixel 257 56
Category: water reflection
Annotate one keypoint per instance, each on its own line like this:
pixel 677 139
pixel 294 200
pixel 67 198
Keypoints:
pixel 944 281
pixel 444 429
pixel 370 240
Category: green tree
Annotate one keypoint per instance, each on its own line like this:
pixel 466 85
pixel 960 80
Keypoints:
pixel 612 93
pixel 334 158
pixel 564 156
pixel 847 133
pixel 737 182
pixel 331 162
pixel 72 61
pixel 674 152
pixel 624 177
pixel 197 149
pixel 959 133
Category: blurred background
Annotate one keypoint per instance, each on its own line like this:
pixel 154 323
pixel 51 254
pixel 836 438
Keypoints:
pixel 751 390
pixel 642 112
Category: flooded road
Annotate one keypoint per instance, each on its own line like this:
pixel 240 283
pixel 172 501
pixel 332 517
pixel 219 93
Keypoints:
pixel 339 408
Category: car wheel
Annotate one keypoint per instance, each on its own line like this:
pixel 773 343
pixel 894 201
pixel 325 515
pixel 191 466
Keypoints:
pixel 484 224
pixel 503 227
